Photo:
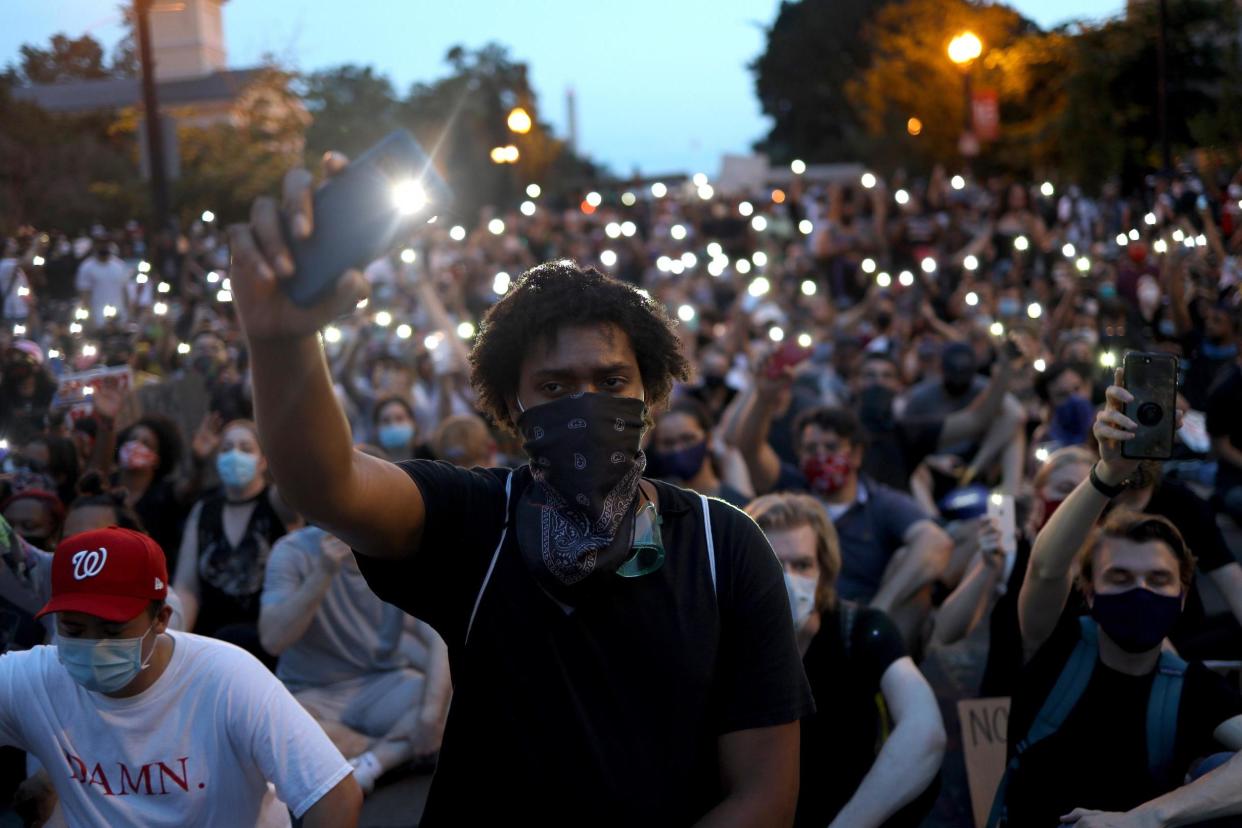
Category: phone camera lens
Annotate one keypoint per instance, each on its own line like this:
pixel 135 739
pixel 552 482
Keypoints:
pixel 1150 413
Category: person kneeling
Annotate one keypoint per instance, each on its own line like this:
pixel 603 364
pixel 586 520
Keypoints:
pixel 1106 723
pixel 136 724
pixel 375 679
pixel 861 678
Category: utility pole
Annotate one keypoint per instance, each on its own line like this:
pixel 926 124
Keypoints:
pixel 151 112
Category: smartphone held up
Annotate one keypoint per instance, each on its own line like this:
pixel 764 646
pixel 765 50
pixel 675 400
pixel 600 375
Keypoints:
pixel 1151 378
pixel 361 213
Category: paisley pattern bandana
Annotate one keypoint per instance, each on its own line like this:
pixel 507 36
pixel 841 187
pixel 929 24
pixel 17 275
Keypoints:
pixel 573 521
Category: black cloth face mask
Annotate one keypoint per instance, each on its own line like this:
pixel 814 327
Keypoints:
pixel 574 522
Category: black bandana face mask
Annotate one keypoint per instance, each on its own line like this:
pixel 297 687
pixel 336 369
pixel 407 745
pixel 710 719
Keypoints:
pixel 573 521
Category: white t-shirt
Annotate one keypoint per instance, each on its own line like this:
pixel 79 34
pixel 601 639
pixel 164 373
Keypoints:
pixel 105 281
pixel 197 748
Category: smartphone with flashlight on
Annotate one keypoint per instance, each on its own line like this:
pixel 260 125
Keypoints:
pixel 1151 378
pixel 362 212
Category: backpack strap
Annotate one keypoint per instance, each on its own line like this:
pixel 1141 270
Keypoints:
pixel 849 616
pixel 1069 687
pixel 495 556
pixel 711 544
pixel 1162 707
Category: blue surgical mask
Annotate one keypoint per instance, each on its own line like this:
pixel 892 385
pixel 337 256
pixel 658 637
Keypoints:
pixel 396 435
pixel 103 665
pixel 237 468
pixel 1008 306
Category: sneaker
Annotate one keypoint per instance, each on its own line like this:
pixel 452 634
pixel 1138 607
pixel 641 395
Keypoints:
pixel 366 770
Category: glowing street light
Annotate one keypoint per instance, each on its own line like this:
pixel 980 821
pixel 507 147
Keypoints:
pixel 964 48
pixel 519 120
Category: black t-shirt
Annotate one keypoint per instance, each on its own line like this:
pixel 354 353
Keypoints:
pixel 1203 371
pixel 1223 406
pixel 1098 759
pixel 895 450
pixel 839 739
pixel 608 714
pixel 1194 518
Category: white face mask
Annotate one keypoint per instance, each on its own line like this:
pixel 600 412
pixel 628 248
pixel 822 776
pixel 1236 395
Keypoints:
pixel 801 590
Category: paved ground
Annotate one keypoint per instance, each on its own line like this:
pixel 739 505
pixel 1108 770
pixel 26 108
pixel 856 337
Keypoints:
pixel 398 804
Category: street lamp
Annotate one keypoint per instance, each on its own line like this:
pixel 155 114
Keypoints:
pixel 964 49
pixel 519 120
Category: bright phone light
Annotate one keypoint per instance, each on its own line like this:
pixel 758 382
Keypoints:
pixel 408 197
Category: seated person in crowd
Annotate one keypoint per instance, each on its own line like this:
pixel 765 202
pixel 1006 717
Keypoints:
pixel 681 452
pixel 135 724
pixel 853 657
pixel 464 440
pixel 1104 725
pixel 228 538
pixel 395 428
pixel 36 514
pixel 374 678
pixel 892 552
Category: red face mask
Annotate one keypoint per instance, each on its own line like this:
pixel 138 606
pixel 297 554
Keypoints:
pixel 827 475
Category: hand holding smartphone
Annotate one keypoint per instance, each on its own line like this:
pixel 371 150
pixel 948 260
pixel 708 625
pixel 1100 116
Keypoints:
pixel 362 212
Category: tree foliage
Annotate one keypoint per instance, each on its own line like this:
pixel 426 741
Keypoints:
pixel 814 49
pixel 840 80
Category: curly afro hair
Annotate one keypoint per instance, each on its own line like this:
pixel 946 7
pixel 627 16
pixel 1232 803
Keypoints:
pixel 561 294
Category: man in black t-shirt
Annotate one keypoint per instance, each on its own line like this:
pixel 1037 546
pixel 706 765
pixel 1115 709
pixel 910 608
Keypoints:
pixel 622 651
pixel 1099 762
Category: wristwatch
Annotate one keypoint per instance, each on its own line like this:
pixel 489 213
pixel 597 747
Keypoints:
pixel 1103 488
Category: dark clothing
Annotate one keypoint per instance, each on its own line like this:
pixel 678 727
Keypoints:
pixel 1205 369
pixel 1098 759
pixel 230 578
pixel 163 516
pixel 1194 518
pixel 870 531
pixel 839 740
pixel 895 451
pixel 607 713
pixel 1223 404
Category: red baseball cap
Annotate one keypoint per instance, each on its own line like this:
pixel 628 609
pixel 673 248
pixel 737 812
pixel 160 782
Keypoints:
pixel 112 573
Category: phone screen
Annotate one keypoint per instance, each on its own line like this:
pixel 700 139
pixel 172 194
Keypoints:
pixel 1152 379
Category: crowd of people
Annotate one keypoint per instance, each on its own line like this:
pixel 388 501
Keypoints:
pixel 912 387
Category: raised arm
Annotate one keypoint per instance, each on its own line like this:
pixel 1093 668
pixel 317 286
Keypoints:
pixel 369 503
pixel 1049 574
pixel 747 430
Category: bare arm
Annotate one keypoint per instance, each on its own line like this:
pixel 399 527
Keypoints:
pixel 1048 575
pixel 370 504
pixel 338 808
pixel 974 419
pixel 748 432
pixel 185 579
pixel 759 775
pixel 966 605
pixel 911 756
pixel 438 687
pixel 1217 794
pixel 927 547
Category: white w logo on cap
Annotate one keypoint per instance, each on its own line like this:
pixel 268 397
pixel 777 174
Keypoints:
pixel 88 563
